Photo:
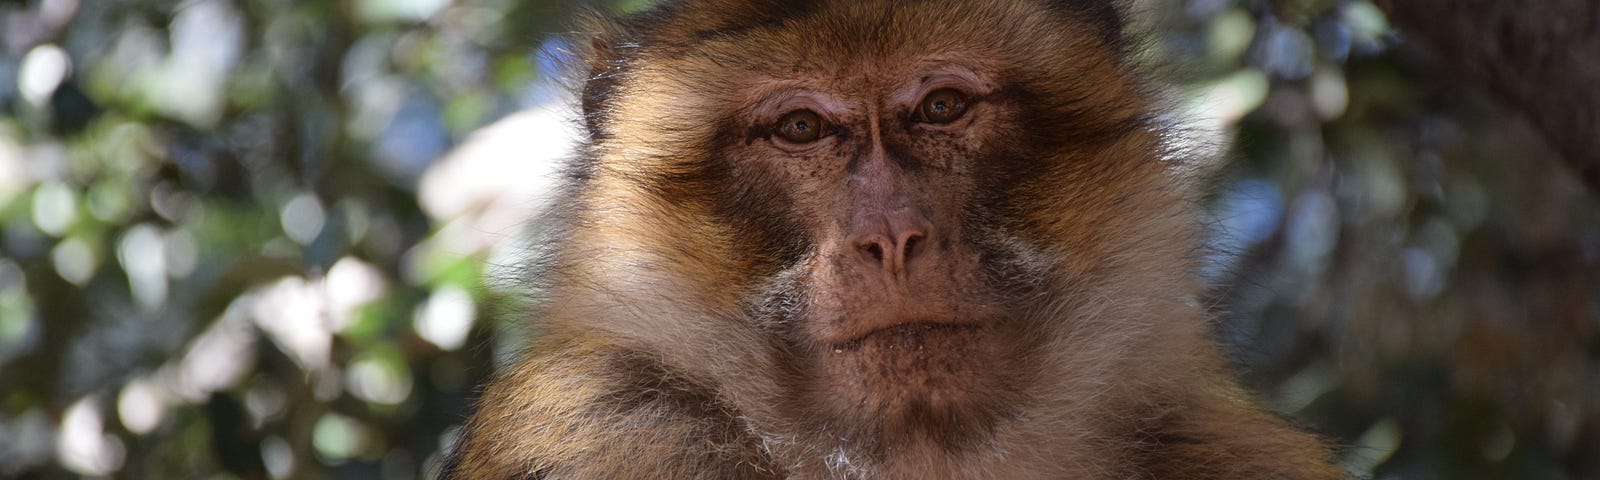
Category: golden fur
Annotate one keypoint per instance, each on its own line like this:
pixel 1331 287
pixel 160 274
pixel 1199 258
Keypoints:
pixel 654 359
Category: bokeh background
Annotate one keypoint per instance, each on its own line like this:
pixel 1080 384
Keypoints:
pixel 249 238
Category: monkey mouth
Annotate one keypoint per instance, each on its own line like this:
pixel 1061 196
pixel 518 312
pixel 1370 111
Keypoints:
pixel 909 336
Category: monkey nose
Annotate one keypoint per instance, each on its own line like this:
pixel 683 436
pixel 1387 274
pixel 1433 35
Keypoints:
pixel 889 246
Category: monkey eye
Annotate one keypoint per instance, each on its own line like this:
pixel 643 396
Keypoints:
pixel 944 105
pixel 800 126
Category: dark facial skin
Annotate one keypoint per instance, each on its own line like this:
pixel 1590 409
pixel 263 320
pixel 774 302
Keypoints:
pixel 903 317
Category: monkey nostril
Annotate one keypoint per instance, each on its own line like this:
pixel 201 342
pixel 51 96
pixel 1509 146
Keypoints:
pixel 889 253
pixel 910 245
pixel 875 249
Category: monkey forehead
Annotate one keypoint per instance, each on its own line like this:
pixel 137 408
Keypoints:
pixel 841 42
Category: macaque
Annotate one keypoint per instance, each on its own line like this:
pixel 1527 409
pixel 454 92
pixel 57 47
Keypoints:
pixel 874 239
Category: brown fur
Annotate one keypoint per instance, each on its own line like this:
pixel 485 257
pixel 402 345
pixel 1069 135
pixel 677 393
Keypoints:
pixel 704 315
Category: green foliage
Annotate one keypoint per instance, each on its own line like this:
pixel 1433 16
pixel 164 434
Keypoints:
pixel 214 262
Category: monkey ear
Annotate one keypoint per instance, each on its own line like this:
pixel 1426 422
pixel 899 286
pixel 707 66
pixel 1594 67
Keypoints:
pixel 605 54
pixel 1107 16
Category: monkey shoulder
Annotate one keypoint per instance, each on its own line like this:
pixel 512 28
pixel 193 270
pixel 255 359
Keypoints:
pixel 596 411
pixel 1224 437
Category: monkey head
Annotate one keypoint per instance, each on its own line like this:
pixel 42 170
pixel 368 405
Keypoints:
pixel 916 217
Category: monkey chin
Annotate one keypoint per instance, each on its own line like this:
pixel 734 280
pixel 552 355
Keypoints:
pixel 917 383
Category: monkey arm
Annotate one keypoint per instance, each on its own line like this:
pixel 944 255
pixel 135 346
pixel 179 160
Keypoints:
pixel 583 409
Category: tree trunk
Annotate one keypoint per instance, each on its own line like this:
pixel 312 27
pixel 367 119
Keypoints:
pixel 1540 56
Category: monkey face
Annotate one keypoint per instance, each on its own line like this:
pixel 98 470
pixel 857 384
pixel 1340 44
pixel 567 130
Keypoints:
pixel 879 196
pixel 908 205
pixel 903 303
